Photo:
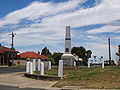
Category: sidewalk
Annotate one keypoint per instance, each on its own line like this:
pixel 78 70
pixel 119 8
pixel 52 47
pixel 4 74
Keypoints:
pixel 18 80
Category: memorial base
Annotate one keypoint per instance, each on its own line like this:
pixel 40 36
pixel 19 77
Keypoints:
pixel 68 59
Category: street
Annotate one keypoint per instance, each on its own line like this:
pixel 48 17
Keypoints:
pixel 3 87
pixel 4 70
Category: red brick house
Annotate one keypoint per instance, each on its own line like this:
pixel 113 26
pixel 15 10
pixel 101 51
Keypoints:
pixel 7 55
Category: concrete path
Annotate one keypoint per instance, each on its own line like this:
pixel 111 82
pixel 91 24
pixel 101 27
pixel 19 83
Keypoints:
pixel 18 80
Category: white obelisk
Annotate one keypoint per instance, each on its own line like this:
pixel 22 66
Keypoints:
pixel 67 57
pixel 68 41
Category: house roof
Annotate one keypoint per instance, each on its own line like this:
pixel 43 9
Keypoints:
pixel 32 55
pixel 3 49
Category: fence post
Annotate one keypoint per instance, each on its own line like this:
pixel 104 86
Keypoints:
pixel 28 67
pixel 34 65
pixel 42 68
pixel 60 69
pixel 88 63
pixel 103 65
pixel 49 65
pixel 74 63
pixel 31 68
pixel 39 62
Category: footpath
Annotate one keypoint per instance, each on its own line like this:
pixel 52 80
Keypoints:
pixel 18 80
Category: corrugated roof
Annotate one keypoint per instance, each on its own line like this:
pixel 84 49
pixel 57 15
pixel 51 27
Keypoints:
pixel 32 55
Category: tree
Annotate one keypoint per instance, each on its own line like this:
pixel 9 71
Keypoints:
pixel 46 52
pixel 57 57
pixel 81 52
pixel 52 60
pixel 88 53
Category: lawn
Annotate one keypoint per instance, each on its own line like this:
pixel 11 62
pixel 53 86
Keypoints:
pixel 97 78
pixel 107 78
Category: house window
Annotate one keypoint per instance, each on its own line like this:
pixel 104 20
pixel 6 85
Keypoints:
pixel 67 50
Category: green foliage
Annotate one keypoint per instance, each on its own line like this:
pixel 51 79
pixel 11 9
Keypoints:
pixel 52 60
pixel 82 53
pixel 57 57
pixel 46 52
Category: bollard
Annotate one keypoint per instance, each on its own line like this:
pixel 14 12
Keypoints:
pixel 74 63
pixel 60 69
pixel 31 68
pixel 27 67
pixel 34 65
pixel 49 65
pixel 88 64
pixel 103 65
pixel 39 62
pixel 42 68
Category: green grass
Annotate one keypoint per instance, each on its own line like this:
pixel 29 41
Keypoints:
pixel 48 72
pixel 107 78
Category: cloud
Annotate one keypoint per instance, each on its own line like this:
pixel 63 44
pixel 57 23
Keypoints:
pixel 113 29
pixel 38 9
pixel 44 23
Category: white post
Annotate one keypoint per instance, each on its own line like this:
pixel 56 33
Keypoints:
pixel 103 65
pixel 28 67
pixel 74 63
pixel 39 62
pixel 88 63
pixel 34 65
pixel 42 68
pixel 31 68
pixel 60 69
pixel 49 65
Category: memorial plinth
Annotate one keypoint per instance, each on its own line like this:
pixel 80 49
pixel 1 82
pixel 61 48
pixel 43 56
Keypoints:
pixel 68 59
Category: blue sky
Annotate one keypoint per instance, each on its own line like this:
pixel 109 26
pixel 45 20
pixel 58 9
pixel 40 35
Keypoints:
pixel 41 23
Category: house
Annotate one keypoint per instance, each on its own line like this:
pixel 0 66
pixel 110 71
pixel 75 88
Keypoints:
pixel 7 55
pixel 32 55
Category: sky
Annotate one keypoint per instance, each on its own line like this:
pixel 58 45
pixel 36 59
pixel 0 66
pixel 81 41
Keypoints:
pixel 42 23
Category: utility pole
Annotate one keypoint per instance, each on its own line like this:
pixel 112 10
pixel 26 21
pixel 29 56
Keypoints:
pixel 109 51
pixel 12 47
pixel 12 44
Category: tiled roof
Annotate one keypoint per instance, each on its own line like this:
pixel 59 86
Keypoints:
pixel 3 49
pixel 32 55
